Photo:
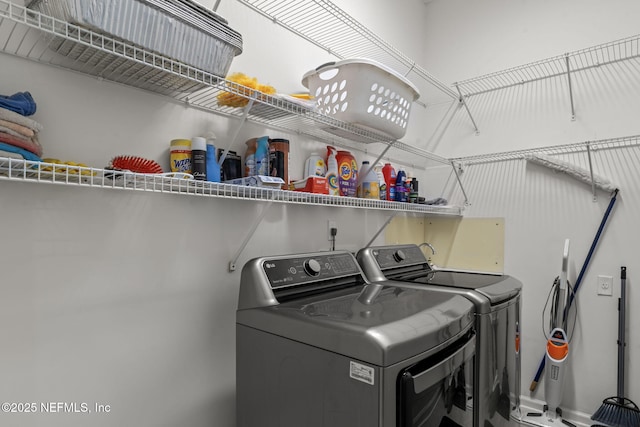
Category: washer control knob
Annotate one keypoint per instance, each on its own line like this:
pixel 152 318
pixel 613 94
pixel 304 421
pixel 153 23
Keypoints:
pixel 399 256
pixel 312 267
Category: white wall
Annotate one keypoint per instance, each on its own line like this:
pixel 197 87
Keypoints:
pixel 122 298
pixel 541 208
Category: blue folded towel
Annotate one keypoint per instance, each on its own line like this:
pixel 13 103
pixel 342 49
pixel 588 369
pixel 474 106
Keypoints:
pixel 21 103
pixel 28 155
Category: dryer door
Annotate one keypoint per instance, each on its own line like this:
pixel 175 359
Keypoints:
pixel 438 391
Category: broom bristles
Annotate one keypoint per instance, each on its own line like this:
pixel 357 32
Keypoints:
pixel 618 412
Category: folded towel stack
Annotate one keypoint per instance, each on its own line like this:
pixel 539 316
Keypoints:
pixel 19 133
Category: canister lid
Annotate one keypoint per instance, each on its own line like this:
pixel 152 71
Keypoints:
pixel 198 143
pixel 180 142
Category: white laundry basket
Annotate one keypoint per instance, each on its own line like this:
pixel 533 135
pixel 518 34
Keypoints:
pixel 364 93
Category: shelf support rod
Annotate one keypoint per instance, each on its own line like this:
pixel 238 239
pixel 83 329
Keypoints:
pixel 593 183
pixel 464 193
pixel 362 174
pixel 441 129
pixel 463 102
pixel 252 230
pixel 375 236
pixel 573 110
pixel 236 131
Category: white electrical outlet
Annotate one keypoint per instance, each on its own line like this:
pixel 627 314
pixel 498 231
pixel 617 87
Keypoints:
pixel 605 285
pixel 331 224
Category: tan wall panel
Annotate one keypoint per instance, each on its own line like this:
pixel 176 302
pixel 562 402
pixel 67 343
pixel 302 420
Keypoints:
pixel 404 229
pixel 461 243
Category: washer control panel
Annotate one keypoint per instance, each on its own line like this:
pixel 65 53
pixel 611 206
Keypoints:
pixel 398 256
pixel 287 272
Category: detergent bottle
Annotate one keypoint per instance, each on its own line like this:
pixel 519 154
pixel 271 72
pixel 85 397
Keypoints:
pixel 332 171
pixel 315 166
pixel 401 189
pixel 390 180
pixel 382 185
pixel 347 173
pixel 212 166
pixel 369 187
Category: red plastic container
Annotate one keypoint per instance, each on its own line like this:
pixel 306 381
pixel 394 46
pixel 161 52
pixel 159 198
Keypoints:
pixel 389 174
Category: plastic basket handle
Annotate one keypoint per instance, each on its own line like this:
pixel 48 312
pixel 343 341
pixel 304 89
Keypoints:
pixel 326 64
pixel 327 71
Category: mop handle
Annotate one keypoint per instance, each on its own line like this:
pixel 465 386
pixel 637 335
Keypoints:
pixel 536 378
pixel 621 331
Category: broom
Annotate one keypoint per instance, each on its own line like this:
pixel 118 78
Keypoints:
pixel 619 411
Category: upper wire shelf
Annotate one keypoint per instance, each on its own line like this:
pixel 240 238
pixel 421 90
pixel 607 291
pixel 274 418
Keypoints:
pixel 580 147
pixel 332 29
pixel 49 173
pixel 35 36
pixel 580 60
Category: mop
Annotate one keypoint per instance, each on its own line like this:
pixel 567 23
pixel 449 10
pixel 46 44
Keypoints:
pixel 572 170
pixel 557 348
pixel 557 353
pixel 619 411
pixel 599 182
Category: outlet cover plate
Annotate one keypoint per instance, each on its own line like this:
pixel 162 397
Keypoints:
pixel 605 285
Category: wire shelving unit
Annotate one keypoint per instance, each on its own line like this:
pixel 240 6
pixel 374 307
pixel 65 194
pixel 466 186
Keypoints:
pixel 32 35
pixel 567 65
pixel 327 26
pixel 60 174
pixel 556 150
pixel 581 60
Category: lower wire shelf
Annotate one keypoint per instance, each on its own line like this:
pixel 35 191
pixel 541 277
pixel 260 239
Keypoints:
pixel 49 173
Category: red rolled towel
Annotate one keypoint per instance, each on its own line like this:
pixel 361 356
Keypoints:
pixel 21 143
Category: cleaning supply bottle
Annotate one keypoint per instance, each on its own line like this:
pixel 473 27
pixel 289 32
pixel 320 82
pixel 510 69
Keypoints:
pixel 382 185
pixel 413 191
pixel 347 173
pixel 390 180
pixel 213 168
pixel 369 187
pixel 250 157
pixel 199 158
pixel 262 156
pixel 180 155
pixel 315 166
pixel 279 159
pixel 332 172
pixel 400 187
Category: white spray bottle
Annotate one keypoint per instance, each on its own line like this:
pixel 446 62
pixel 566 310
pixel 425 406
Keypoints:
pixel 332 172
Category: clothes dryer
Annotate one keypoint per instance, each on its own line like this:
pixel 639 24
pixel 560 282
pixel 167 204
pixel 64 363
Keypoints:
pixel 496 298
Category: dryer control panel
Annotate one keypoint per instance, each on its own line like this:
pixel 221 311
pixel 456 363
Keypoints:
pixel 286 272
pixel 398 256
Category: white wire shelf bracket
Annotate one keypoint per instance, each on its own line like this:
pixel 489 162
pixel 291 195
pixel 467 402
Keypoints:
pixel 49 173
pixel 327 26
pixel 572 62
pixel 32 35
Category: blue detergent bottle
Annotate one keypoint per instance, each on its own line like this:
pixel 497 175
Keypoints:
pixel 401 190
pixel 262 156
pixel 213 168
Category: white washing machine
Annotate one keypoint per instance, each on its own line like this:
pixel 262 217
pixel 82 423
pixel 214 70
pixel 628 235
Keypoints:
pixel 319 346
pixel 496 300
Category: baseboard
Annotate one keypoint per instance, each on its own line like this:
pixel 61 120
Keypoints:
pixel 527 405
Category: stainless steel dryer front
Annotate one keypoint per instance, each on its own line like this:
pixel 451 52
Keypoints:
pixel 496 298
pixel 319 346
